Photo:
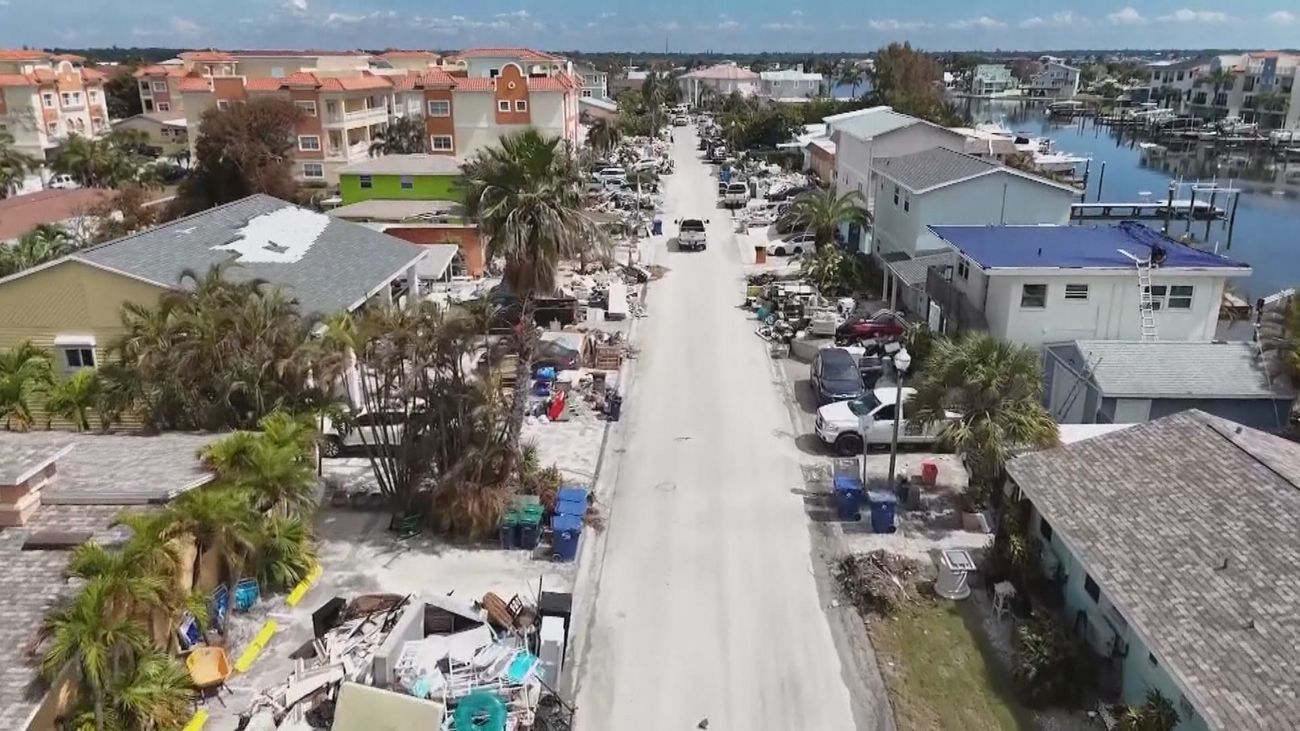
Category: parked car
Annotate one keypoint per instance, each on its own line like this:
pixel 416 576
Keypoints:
pixel 883 324
pixel 549 354
pixel 840 425
pixel 63 182
pixel 691 234
pixel 834 376
pixel 784 193
pixel 796 244
pixel 736 196
pixel 681 121
pixel 365 428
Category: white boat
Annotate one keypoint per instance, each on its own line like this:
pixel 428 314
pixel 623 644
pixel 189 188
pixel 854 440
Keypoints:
pixel 1152 149
pixel 1235 126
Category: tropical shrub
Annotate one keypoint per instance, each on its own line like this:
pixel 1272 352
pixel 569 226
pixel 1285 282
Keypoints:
pixel 1052 668
pixel 1155 714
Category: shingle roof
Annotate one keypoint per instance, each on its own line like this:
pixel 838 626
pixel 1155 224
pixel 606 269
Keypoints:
pixel 913 272
pixel 328 265
pixel 18 462
pixel 1187 523
pixel 405 165
pixel 1167 369
pixel 933 168
pixel 395 210
pixel 723 72
pixel 871 122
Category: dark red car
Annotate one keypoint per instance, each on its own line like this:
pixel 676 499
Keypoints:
pixel 883 324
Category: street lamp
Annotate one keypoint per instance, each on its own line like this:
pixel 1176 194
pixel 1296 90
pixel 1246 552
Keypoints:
pixel 902 361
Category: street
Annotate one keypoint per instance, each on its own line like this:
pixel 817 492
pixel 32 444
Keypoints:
pixel 705 601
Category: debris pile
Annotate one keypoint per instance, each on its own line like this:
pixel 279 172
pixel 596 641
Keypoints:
pixel 878 582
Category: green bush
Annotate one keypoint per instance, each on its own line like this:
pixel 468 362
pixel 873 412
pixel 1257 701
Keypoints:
pixel 1052 668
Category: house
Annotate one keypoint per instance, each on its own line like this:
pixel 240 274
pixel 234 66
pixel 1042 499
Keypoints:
pixel 989 79
pixel 488 63
pixel 1040 284
pixel 820 158
pixel 721 79
pixel 1055 81
pixel 58 490
pixel 71 305
pixel 631 80
pixel 595 83
pixel 794 83
pixel 591 107
pixel 456 250
pixel 70 208
pixel 1124 381
pixel 1174 542
pixel 168 132
pixel 1172 81
pixel 401 177
pixel 863 135
pixel 45 98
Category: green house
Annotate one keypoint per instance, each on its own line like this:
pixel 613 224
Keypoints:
pixel 401 177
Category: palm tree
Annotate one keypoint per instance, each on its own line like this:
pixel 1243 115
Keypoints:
pixel 222 523
pixel 95 644
pixel 603 135
pixel 527 196
pixel 853 75
pixel 44 243
pixel 74 397
pixel 823 212
pixel 14 165
pixel 127 586
pixel 997 389
pixel 156 695
pixel 404 136
pixel 24 370
pixel 283 552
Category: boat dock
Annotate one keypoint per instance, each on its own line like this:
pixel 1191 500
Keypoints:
pixel 1179 210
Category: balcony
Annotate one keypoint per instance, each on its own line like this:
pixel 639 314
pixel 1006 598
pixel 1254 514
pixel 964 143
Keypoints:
pixel 355 151
pixel 368 115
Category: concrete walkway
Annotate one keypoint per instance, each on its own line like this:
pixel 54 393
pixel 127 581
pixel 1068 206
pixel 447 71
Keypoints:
pixel 705 601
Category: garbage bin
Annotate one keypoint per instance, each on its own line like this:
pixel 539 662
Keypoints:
pixel 848 502
pixel 528 527
pixel 571 501
pixel 760 253
pixel 506 529
pixel 566 533
pixel 613 407
pixel 883 505
pixel 657 228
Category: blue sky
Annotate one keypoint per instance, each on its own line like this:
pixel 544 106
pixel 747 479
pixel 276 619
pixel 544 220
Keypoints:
pixel 690 25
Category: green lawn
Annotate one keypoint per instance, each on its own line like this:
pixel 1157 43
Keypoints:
pixel 937 675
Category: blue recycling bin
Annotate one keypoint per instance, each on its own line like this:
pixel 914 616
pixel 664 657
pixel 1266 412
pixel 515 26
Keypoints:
pixel 657 228
pixel 883 506
pixel 566 533
pixel 571 501
pixel 848 502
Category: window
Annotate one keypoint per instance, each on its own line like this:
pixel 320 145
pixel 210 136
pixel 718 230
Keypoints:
pixel 1033 296
pixel 164 107
pixel 1151 658
pixel 1076 292
pixel 895 195
pixel 308 142
pixel 439 108
pixel 48 99
pixel 92 95
pixel 307 107
pixel 1091 588
pixel 503 105
pixel 78 356
pixel 521 105
pixel 277 72
pixel 71 98
pixel 493 73
pixel 52 128
pixel 331 108
pixel 223 104
pixel 313 170
pixel 885 413
pixel 441 143
pixel 408 182
pixel 1045 529
pixel 907 203
pixel 144 88
pixel 963 269
pixel 586 92
pixel 160 86
pixel 1180 297
pixel 366 182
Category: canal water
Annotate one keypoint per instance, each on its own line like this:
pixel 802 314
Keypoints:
pixel 1266 234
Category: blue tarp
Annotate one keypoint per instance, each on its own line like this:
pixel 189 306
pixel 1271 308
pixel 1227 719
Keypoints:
pixel 1073 247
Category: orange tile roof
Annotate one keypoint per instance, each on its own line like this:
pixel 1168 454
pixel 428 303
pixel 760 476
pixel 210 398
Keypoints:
pixel 21 213
pixel 549 83
pixel 476 84
pixel 283 53
pixel 16 80
pixel 70 57
pixel 300 78
pixel 431 79
pixel 526 54
pixel 44 76
pixel 194 83
pixel 359 83
pixel 22 54
pixel 210 55
pixel 263 84
pixel 93 75
pixel 408 54
pixel 160 70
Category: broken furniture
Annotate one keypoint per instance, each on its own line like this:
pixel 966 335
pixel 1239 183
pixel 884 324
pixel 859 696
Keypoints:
pixel 209 667
pixel 955 566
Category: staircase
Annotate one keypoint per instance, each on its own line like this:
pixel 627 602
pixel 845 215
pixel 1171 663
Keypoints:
pixel 1146 306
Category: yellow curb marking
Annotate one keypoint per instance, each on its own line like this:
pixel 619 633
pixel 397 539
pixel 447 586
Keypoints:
pixel 196 723
pixel 250 654
pixel 300 590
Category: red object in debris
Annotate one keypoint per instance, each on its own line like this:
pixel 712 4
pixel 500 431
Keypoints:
pixel 929 472
pixel 557 406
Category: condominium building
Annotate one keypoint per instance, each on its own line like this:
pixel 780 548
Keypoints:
pixel 44 98
pixel 1257 87
pixel 483 97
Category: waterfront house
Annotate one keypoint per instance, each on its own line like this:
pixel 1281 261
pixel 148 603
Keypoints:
pixel 1041 284
pixel 1174 542
pixel 1125 381
pixel 1172 81
pixel 1055 81
pixel 793 83
pixel 724 79
pixel 989 79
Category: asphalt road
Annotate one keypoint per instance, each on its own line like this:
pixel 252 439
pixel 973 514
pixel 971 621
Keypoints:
pixel 705 603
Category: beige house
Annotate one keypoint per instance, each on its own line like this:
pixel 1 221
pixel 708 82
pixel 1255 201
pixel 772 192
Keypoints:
pixel 168 131
pixel 44 98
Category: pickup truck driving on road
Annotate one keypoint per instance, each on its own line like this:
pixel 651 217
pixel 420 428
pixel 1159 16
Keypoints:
pixel 737 195
pixel 840 424
pixel 690 234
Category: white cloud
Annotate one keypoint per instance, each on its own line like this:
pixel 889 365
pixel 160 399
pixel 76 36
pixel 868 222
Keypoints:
pixel 520 14
pixel 983 22
pixel 729 25
pixel 1127 16
pixel 343 18
pixel 786 26
pixel 1282 17
pixel 669 26
pixel 608 14
pixel 185 26
pixel 298 4
pixel 796 13
pixel 1055 20
pixel 891 24
pixel 1186 15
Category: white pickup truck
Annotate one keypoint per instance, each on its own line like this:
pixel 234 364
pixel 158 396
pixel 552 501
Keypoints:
pixel 691 235
pixel 842 424
pixel 736 195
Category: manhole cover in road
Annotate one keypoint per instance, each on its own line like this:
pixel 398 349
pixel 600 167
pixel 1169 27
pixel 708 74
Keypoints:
pixel 666 487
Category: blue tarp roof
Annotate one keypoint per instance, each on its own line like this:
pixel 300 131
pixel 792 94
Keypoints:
pixel 1073 247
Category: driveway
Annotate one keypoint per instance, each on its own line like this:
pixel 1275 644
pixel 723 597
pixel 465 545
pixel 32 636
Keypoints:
pixel 705 594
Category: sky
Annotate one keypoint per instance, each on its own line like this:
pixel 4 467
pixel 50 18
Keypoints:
pixel 681 25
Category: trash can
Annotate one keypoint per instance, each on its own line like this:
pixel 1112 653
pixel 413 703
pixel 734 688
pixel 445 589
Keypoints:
pixel 760 253
pixel 528 528
pixel 613 406
pixel 929 472
pixel 848 502
pixel 566 533
pixel 657 228
pixel 571 501
pixel 506 529
pixel 883 505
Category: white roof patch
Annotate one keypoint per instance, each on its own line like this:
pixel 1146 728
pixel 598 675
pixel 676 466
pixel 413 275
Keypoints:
pixel 279 237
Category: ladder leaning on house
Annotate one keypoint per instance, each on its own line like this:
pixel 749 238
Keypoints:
pixel 1146 304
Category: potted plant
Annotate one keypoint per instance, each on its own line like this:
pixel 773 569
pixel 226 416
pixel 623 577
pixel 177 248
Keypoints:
pixel 973 502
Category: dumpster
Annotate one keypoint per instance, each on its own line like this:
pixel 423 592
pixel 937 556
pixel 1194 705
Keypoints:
pixel 848 502
pixel 883 506
pixel 565 535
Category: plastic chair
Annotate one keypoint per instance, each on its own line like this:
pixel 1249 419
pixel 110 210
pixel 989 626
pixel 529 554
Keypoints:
pixel 209 668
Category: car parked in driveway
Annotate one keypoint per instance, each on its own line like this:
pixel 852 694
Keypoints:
pixel 793 245
pixel 364 428
pixel 882 324
pixel 834 376
pixel 841 425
